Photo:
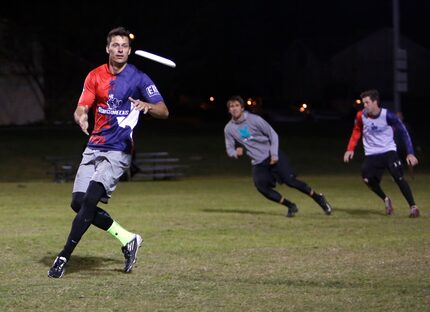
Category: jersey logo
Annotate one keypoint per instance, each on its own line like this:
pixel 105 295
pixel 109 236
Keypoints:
pixel 245 135
pixel 152 90
pixel 113 107
pixel 113 103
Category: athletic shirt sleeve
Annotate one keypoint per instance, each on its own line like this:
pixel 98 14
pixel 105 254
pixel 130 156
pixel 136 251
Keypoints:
pixel 88 94
pixel 149 91
pixel 356 132
pixel 399 128
pixel 229 142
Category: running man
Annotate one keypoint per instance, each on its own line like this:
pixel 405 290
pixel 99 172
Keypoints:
pixel 116 92
pixel 378 126
pixel 270 165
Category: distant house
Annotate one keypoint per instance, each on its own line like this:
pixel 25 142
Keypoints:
pixel 339 79
pixel 369 64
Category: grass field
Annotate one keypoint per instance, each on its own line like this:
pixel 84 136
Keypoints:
pixel 211 242
pixel 214 244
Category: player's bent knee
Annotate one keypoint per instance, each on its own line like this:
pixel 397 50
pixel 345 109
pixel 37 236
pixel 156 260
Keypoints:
pixel 77 199
pixel 371 181
pixel 263 188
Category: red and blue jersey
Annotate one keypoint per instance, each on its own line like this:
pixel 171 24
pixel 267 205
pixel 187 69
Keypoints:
pixel 378 133
pixel 115 116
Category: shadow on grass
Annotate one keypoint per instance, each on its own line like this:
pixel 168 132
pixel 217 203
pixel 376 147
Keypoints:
pixel 90 264
pixel 241 211
pixel 360 212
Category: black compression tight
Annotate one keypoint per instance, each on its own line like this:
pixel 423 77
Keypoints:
pixel 102 219
pixel 374 184
pixel 406 190
pixel 266 188
pixel 84 218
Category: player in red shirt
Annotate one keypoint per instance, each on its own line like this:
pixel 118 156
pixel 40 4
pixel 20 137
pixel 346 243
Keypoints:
pixel 116 92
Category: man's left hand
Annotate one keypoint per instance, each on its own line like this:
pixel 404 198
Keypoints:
pixel 140 105
pixel 273 161
pixel 411 160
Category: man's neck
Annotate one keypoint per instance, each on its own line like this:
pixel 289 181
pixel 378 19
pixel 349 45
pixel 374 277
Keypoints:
pixel 375 114
pixel 240 117
pixel 116 68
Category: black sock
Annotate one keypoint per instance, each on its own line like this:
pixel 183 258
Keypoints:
pixel 287 203
pixel 315 195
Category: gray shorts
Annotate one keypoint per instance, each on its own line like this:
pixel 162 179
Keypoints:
pixel 105 167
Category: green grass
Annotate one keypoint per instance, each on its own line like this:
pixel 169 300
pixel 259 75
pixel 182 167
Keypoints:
pixel 211 242
pixel 215 244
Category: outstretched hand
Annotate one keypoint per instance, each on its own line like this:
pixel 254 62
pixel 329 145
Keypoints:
pixel 140 105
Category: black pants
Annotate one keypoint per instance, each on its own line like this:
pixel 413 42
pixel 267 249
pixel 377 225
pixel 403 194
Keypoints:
pixel 373 168
pixel 266 176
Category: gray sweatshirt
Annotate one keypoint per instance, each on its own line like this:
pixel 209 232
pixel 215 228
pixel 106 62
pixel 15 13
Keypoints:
pixel 254 134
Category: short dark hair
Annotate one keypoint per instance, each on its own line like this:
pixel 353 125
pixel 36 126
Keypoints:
pixel 372 94
pixel 236 98
pixel 119 31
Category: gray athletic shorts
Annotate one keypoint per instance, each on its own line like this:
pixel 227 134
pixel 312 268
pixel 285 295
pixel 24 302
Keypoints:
pixel 105 167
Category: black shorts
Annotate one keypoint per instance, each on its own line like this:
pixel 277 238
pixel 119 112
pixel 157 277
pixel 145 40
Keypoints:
pixel 374 165
pixel 270 174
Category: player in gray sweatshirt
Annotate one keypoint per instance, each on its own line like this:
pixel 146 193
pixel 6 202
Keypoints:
pixel 269 165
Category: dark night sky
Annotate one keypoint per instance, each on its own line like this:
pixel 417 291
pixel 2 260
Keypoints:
pixel 184 26
pixel 215 43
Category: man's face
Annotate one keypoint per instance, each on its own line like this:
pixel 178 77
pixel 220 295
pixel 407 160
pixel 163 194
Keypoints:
pixel 235 109
pixel 119 49
pixel 371 106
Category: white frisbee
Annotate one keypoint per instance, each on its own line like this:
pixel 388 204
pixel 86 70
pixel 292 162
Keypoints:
pixel 155 58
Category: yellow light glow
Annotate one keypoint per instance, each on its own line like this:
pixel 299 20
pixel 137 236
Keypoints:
pixel 211 98
pixel 358 101
pixel 304 105
pixel 131 36
pixel 249 102
pixel 302 109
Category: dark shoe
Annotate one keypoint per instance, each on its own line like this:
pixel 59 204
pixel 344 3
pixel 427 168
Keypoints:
pixel 130 252
pixel 320 199
pixel 292 210
pixel 58 268
pixel 414 212
pixel 388 206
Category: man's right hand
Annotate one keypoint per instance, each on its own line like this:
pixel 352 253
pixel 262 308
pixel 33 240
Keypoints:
pixel 348 156
pixel 81 118
pixel 239 151
pixel 83 123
